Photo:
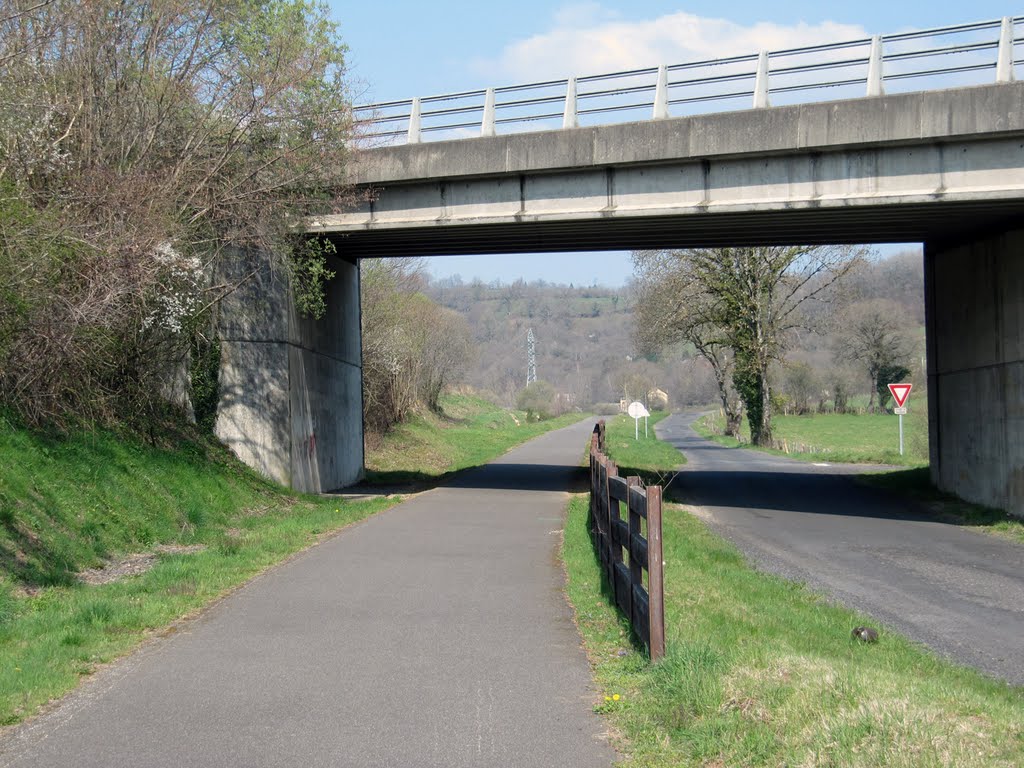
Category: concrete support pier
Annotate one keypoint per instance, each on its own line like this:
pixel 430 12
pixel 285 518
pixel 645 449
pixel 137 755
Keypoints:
pixel 974 298
pixel 291 387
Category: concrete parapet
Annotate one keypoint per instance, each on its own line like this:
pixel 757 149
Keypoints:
pixel 905 118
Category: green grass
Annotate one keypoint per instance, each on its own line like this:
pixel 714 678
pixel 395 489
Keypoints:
pixel 760 671
pixel 848 438
pixel 648 457
pixel 470 432
pixel 79 502
pixel 74 503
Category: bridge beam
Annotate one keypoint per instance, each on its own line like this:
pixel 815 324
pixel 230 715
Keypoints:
pixel 974 300
pixel 291 387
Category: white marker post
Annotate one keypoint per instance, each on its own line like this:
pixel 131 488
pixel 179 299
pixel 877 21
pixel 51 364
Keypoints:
pixel 636 410
pixel 900 393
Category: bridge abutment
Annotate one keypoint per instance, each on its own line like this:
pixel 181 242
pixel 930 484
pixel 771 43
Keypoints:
pixel 975 316
pixel 291 387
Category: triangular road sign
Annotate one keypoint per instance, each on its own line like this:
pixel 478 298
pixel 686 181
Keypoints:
pixel 900 393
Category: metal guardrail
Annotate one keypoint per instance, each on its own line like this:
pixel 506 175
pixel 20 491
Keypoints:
pixel 942 57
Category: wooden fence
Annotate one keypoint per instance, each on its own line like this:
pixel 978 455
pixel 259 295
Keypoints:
pixel 639 534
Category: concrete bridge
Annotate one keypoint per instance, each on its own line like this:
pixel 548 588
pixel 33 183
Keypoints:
pixel 942 167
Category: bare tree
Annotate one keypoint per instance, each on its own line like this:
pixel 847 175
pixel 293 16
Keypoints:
pixel 869 334
pixel 749 300
pixel 412 348
pixel 672 307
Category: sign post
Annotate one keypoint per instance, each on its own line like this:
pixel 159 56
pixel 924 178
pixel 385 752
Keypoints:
pixel 900 393
pixel 636 410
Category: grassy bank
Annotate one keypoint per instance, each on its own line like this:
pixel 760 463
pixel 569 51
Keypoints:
pixel 105 541
pixel 760 671
pixel 870 438
pixel 200 522
pixel 470 431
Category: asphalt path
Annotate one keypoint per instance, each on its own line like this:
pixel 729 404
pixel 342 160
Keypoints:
pixel 955 590
pixel 433 634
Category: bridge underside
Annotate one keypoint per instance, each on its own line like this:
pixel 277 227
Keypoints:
pixel 942 168
pixel 939 221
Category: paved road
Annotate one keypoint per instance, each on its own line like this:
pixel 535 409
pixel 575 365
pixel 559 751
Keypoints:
pixel 957 591
pixel 434 634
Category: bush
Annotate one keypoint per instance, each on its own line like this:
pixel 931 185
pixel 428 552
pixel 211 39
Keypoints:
pixel 538 400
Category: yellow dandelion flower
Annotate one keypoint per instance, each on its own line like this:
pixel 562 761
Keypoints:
pixel 616 697
pixel 607 698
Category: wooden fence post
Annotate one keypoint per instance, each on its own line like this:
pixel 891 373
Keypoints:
pixel 644 608
pixel 612 512
pixel 636 568
pixel 655 575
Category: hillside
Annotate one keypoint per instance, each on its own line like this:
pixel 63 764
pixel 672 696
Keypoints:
pixel 585 348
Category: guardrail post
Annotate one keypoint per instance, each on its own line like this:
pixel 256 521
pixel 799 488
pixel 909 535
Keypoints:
pixel 875 87
pixel 571 118
pixel 414 123
pixel 661 94
pixel 1004 63
pixel 487 126
pixel 655 575
pixel 761 82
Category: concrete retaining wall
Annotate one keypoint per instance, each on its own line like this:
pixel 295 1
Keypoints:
pixel 291 387
pixel 975 305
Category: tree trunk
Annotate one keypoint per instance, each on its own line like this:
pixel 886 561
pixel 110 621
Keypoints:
pixel 766 408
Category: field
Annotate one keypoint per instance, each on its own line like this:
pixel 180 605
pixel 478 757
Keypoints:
pixel 871 438
pixel 760 671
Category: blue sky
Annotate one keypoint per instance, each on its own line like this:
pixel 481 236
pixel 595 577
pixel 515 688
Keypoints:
pixel 404 48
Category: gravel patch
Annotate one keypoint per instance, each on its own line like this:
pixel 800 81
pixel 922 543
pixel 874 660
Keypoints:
pixel 134 564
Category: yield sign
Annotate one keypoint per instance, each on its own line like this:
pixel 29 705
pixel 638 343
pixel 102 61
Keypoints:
pixel 900 393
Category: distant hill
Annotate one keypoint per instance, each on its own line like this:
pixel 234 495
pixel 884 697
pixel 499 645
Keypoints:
pixel 584 335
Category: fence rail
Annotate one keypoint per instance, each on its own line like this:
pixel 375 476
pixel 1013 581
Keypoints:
pixel 943 56
pixel 638 536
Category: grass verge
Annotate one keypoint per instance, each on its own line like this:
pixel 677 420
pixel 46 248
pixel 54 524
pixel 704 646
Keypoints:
pixel 470 431
pixel 205 523
pixel 647 456
pixel 871 438
pixel 760 671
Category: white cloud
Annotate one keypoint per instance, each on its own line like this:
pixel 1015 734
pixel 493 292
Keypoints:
pixel 587 39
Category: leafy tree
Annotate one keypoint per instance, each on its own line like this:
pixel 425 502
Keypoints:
pixel 143 140
pixel 890 373
pixel 538 400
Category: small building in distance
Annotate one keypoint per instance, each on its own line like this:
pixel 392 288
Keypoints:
pixel 657 400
